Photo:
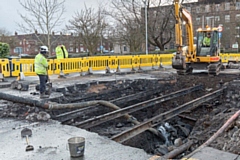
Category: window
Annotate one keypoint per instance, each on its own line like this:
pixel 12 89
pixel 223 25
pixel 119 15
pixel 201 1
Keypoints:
pixel 237 17
pixel 124 48
pixel 227 18
pixel 172 45
pixel 81 49
pixel 18 50
pixel 207 8
pixel 155 13
pixel 217 18
pixel 237 5
pixel 188 9
pixel 198 20
pixel 198 9
pixel 227 6
pixel 227 45
pixel 217 7
pixel 210 21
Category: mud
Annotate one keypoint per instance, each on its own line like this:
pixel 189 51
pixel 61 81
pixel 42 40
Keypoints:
pixel 198 124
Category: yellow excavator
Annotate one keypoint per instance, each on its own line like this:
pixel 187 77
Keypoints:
pixel 195 56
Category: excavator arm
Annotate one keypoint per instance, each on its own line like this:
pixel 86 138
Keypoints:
pixel 182 15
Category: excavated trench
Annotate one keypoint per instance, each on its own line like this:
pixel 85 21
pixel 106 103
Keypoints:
pixel 173 132
pixel 197 124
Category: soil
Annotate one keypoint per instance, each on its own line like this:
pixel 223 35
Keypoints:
pixel 201 123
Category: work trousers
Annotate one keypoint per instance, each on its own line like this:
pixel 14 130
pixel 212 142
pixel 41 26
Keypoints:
pixel 43 80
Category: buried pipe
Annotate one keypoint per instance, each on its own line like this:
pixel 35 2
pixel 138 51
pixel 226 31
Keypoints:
pixel 23 100
pixel 220 131
pixel 173 153
pixel 45 105
pixel 178 150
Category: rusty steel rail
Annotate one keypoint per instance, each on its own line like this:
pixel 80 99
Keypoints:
pixel 119 101
pixel 154 121
pixel 118 113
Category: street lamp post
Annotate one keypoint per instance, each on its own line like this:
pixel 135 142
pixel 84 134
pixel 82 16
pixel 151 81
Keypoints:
pixel 238 36
pixel 146 34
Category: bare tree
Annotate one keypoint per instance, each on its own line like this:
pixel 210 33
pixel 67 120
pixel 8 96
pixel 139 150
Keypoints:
pixel 4 32
pixel 43 16
pixel 90 27
pixel 127 12
pixel 127 30
pixel 160 19
pixel 5 36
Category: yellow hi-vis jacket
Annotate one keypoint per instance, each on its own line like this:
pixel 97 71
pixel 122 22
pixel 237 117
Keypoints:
pixel 41 64
pixel 61 52
pixel 206 41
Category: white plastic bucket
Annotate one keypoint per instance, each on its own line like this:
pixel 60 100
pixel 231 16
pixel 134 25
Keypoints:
pixel 76 146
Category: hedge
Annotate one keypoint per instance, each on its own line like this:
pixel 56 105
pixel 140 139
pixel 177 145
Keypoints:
pixel 4 50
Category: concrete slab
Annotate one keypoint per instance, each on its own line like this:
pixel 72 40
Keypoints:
pixel 49 140
pixel 214 154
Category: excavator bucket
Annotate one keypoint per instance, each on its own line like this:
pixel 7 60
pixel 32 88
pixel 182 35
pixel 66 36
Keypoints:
pixel 178 62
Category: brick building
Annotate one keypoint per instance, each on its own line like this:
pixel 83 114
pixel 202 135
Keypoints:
pixel 214 13
pixel 30 43
pixel 218 12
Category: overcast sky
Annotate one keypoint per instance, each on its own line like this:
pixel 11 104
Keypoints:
pixel 9 11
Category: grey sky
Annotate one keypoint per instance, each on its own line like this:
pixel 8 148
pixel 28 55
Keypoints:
pixel 9 11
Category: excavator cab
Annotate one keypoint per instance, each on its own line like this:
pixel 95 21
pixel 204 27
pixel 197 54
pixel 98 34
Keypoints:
pixel 211 49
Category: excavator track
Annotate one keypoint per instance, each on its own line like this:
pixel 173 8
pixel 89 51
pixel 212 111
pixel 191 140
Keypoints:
pixel 187 71
pixel 214 69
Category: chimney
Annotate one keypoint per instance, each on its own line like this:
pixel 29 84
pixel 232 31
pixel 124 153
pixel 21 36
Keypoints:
pixel 52 33
pixel 16 33
pixel 36 32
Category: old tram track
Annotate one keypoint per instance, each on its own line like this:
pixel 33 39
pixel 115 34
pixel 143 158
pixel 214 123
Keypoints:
pixel 123 135
pixel 154 121
pixel 144 125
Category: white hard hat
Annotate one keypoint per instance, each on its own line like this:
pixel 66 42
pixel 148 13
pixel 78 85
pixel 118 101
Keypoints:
pixel 43 49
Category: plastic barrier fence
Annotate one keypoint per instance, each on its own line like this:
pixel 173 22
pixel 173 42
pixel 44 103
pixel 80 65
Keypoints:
pixel 230 57
pixel 4 67
pixel 13 68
